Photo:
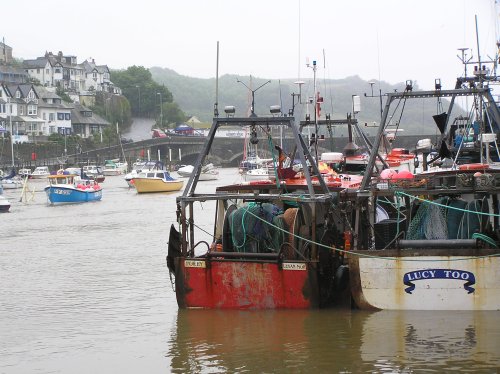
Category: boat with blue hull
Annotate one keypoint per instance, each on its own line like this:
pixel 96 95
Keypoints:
pixel 66 189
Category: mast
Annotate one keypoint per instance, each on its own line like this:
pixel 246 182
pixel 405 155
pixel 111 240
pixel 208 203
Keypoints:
pixel 481 125
pixel 11 131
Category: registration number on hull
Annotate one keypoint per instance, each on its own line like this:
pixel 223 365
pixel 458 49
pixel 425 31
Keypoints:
pixel 294 266
pixel 194 264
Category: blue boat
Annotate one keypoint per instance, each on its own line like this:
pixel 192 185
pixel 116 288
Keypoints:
pixel 70 188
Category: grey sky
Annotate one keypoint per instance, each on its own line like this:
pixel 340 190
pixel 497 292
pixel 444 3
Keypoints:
pixel 395 40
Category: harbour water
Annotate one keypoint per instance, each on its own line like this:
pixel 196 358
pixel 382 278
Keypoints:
pixel 85 289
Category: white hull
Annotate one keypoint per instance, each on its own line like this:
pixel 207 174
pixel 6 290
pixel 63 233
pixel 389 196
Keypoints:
pixel 426 282
pixel 111 172
pixel 11 184
pixel 256 174
pixel 207 175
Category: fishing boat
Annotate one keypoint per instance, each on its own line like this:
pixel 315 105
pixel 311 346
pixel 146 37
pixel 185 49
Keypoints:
pixel 271 246
pixel 208 172
pixel 439 247
pixel 156 181
pixel 40 172
pixel 70 188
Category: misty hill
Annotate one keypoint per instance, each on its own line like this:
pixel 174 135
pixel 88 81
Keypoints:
pixel 196 96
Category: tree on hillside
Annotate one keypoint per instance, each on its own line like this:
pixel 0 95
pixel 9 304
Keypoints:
pixel 171 114
pixel 115 108
pixel 145 95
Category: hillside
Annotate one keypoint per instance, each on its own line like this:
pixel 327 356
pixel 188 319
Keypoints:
pixel 196 96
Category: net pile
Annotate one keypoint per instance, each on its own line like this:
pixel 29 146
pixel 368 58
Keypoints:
pixel 253 228
pixel 429 222
pixel 452 219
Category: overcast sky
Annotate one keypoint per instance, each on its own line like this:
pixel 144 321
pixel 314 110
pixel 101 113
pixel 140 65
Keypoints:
pixel 393 40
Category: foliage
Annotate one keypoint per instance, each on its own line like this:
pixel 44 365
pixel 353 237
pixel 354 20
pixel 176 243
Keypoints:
pixel 196 96
pixel 143 93
pixel 115 108
pixel 171 114
pixel 34 81
pixel 63 95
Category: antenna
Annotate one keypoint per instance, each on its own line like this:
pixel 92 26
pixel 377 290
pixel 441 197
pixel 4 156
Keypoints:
pixel 298 71
pixel 216 109
pixel 281 100
pixel 252 108
pixel 464 59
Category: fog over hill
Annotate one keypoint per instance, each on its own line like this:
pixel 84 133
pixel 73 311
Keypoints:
pixel 196 96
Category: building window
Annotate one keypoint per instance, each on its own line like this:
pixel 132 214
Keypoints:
pixel 67 116
pixel 51 116
pixel 21 110
pixel 32 110
pixel 47 71
pixel 44 116
pixel 18 95
pixel 58 71
pixel 60 116
pixel 38 71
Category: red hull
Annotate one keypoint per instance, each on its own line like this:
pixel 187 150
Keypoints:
pixel 243 284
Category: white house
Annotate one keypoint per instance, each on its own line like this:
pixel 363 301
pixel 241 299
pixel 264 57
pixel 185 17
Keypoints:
pixel 55 114
pixel 57 71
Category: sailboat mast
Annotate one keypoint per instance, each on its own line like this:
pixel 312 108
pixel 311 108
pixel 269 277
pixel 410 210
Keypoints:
pixel 11 131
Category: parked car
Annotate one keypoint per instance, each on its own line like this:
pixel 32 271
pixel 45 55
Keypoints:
pixel 158 133
pixel 126 140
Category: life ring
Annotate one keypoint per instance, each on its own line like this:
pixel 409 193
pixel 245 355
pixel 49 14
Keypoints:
pixel 60 172
pixel 476 166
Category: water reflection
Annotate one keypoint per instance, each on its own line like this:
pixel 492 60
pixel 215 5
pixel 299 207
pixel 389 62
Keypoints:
pixel 334 341
pixel 462 341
